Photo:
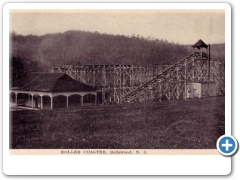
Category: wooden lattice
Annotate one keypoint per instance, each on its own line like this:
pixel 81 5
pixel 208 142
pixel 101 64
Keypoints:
pixel 129 83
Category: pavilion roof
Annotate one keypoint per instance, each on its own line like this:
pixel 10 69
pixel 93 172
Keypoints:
pixel 50 82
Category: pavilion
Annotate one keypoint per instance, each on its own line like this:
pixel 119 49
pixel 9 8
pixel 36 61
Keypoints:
pixel 38 89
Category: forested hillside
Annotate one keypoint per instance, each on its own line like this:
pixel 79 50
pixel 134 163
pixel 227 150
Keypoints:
pixel 95 48
pixel 40 53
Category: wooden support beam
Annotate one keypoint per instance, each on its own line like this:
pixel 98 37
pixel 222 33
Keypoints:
pixel 178 78
pixel 185 76
pixel 103 96
pixel 160 91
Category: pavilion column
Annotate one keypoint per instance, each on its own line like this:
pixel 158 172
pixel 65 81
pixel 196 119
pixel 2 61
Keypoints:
pixel 41 102
pixel 51 102
pixel 16 99
pixel 67 101
pixel 32 101
pixel 81 100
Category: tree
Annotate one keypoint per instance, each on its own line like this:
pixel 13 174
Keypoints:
pixel 18 68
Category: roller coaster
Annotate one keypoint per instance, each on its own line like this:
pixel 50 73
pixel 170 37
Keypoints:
pixel 132 83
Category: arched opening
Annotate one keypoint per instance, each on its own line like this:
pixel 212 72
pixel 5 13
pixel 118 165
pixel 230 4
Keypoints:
pixel 89 99
pixel 60 101
pixel 24 99
pixel 46 102
pixel 36 101
pixel 74 100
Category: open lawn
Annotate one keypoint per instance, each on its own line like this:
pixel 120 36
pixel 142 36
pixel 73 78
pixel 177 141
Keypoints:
pixel 180 124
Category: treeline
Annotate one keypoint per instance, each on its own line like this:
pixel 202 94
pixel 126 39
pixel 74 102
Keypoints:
pixel 217 51
pixel 73 47
pixel 19 67
pixel 40 53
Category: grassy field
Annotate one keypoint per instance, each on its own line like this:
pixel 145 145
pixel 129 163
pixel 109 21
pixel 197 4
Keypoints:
pixel 182 124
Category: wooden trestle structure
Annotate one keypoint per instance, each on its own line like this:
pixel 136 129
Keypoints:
pixel 129 83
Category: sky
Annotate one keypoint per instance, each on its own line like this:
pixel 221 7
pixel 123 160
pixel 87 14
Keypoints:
pixel 183 27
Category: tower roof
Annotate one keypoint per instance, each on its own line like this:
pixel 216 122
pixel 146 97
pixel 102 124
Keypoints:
pixel 200 44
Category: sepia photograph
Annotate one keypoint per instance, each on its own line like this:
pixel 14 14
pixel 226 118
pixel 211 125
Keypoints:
pixel 116 79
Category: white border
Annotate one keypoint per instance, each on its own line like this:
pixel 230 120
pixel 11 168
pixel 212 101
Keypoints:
pixel 115 165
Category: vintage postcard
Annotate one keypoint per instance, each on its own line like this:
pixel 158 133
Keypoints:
pixel 106 79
